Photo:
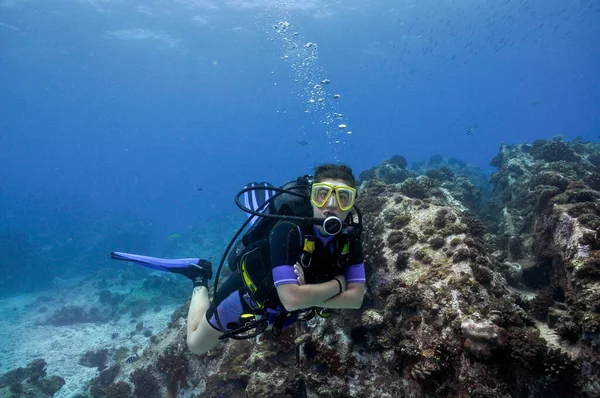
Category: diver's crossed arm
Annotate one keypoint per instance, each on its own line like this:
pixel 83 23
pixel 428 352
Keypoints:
pixel 351 298
pixel 295 297
pixel 354 291
pixel 324 295
pixel 305 296
pixel 353 294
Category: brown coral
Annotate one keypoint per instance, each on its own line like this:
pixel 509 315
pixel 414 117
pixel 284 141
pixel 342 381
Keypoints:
pixel 120 389
pixel 145 382
pixel 174 365
pixel 538 306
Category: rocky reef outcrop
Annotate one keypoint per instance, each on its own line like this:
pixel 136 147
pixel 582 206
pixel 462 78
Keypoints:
pixel 30 381
pixel 465 298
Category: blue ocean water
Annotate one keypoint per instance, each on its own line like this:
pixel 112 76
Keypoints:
pixel 128 125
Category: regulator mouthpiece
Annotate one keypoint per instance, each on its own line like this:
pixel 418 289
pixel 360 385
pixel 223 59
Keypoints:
pixel 332 225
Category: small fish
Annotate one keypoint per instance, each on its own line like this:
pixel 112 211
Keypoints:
pixel 132 359
pixel 174 236
pixel 302 142
pixel 536 102
pixel 472 129
pixel 199 189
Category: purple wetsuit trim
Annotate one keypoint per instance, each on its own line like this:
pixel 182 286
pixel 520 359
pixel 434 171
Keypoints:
pixel 230 310
pixel 356 273
pixel 284 274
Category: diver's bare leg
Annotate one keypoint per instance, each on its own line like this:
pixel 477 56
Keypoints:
pixel 201 336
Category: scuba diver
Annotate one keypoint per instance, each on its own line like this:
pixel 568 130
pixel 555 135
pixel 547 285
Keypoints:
pixel 301 257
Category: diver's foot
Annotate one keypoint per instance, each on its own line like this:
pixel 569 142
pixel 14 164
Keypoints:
pixel 199 273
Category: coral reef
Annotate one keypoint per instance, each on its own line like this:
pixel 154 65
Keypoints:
pixel 391 171
pixel 113 300
pixel 482 336
pixel 420 187
pixel 100 386
pixel 450 309
pixel 30 381
pixel 95 359
pixel 465 183
pixel 119 390
pixel 173 364
pixel 70 315
pixel 145 382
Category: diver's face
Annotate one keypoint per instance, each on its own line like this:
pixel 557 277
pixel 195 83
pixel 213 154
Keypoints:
pixel 331 207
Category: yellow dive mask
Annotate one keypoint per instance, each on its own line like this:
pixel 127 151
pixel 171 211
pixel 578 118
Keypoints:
pixel 322 194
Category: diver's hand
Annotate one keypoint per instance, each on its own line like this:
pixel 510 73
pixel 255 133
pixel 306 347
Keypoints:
pixel 342 280
pixel 299 271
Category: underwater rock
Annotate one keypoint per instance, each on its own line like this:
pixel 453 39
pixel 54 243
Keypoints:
pixel 120 389
pixel 482 336
pixel 391 171
pixel 372 319
pixel 101 384
pixel 513 271
pixel 30 381
pixel 145 382
pixel 553 150
pixel 95 359
pixel 69 315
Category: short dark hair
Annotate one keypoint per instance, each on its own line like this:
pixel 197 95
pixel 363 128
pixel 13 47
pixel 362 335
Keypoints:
pixel 335 172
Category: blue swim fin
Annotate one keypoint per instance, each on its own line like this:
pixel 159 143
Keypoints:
pixel 196 269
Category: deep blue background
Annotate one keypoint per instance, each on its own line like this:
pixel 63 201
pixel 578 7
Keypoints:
pixel 127 108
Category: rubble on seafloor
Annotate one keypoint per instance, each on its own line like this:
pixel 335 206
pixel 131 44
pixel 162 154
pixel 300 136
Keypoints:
pixel 471 292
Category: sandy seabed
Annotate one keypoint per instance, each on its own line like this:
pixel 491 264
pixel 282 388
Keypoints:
pixel 25 334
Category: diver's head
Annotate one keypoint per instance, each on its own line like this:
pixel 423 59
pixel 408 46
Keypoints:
pixel 333 192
